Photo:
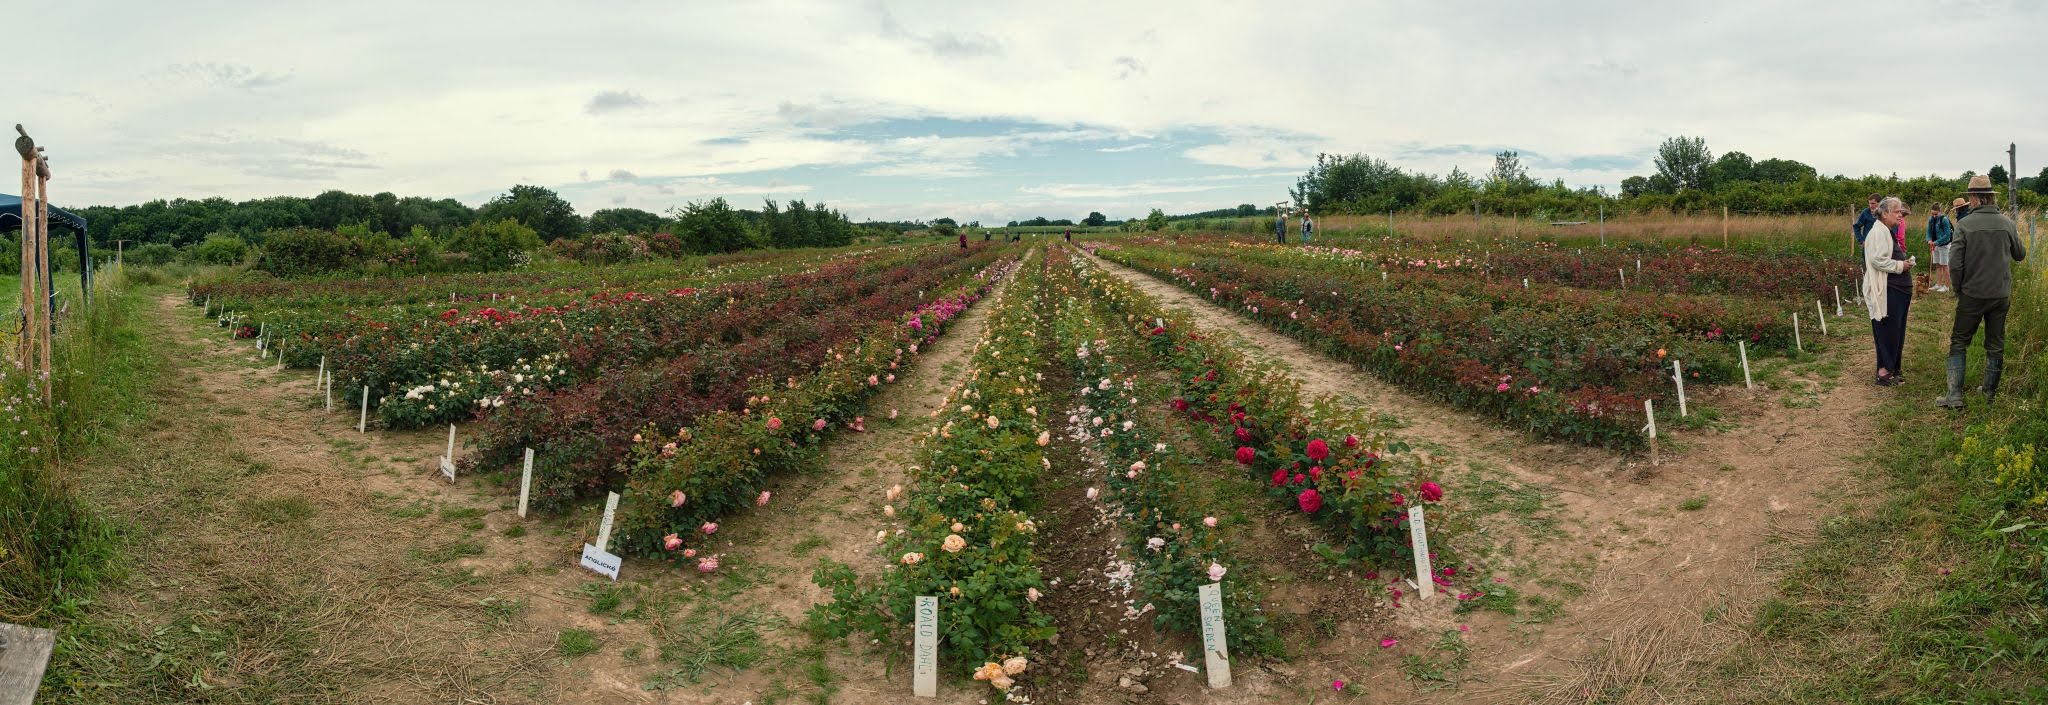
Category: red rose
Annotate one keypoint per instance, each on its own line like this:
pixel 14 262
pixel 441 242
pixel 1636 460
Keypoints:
pixel 1180 404
pixel 1431 492
pixel 1351 441
pixel 1318 450
pixel 1245 455
pixel 1310 501
pixel 1399 500
pixel 1300 478
pixel 1279 477
pixel 1316 473
pixel 1243 435
pixel 1237 417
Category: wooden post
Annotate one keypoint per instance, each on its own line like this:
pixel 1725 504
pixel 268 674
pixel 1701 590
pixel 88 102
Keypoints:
pixel 1603 223
pixel 1724 227
pixel 24 654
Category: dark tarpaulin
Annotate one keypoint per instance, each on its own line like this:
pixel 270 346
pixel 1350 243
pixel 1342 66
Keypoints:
pixel 10 217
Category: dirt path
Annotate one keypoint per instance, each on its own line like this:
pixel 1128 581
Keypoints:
pixel 1622 570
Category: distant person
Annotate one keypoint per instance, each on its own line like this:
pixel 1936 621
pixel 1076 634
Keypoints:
pixel 1280 228
pixel 1865 219
pixel 985 234
pixel 963 239
pixel 1940 232
pixel 1308 228
pixel 1070 236
pixel 1957 209
pixel 1986 244
pixel 1888 289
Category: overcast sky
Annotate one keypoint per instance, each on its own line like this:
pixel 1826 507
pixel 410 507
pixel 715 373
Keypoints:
pixel 994 111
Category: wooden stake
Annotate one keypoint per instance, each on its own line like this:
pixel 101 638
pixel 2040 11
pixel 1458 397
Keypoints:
pixel 1724 227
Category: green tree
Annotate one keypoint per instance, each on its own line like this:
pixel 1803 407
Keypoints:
pixel 2041 182
pixel 1156 220
pixel 334 209
pixel 1998 174
pixel 1508 175
pixel 1095 219
pixel 535 207
pixel 493 245
pixel 1731 168
pixel 624 220
pixel 1684 161
pixel 711 227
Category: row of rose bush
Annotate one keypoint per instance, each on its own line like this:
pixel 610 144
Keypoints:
pixel 1173 536
pixel 581 435
pixel 1689 270
pixel 1332 463
pixel 1765 325
pixel 309 321
pixel 1549 372
pixel 962 530
pixel 675 341
pixel 255 292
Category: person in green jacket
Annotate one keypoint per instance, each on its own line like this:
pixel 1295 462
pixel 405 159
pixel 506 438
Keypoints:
pixel 1980 263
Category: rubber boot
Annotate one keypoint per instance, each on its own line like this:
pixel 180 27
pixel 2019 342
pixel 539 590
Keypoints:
pixel 1954 398
pixel 1993 369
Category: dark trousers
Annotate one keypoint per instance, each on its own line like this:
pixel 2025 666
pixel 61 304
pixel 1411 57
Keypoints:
pixel 1971 311
pixel 1890 333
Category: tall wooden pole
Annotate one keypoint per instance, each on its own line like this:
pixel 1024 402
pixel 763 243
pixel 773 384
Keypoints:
pixel 43 259
pixel 1724 227
pixel 29 274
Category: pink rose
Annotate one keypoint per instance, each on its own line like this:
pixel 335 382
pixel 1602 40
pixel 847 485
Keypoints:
pixel 762 501
pixel 774 424
pixel 709 528
pixel 671 542
pixel 676 498
pixel 818 425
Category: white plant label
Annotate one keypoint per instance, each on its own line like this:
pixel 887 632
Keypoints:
pixel 1650 412
pixel 600 562
pixel 1215 641
pixel 448 461
pixel 924 679
pixel 525 482
pixel 1742 346
pixel 1797 344
pixel 1822 314
pixel 604 527
pixel 1838 301
pixel 363 421
pixel 1678 376
pixel 1418 540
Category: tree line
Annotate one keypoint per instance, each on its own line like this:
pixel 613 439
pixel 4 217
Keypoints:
pixel 1688 178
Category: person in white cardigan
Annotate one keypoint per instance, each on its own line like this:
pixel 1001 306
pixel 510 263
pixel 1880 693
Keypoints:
pixel 1888 288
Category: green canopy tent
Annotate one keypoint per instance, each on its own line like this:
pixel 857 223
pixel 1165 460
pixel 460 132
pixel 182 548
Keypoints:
pixel 10 218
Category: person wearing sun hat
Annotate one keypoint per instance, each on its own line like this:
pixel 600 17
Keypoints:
pixel 1959 208
pixel 1980 263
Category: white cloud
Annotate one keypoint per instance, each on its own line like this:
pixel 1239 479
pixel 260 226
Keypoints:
pixel 454 101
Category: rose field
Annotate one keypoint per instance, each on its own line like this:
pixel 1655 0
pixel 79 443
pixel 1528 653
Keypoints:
pixel 1065 446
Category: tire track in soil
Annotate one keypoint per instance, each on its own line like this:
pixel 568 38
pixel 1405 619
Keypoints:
pixel 834 513
pixel 1660 586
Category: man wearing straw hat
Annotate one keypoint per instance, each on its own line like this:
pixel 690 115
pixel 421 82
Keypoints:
pixel 1980 263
